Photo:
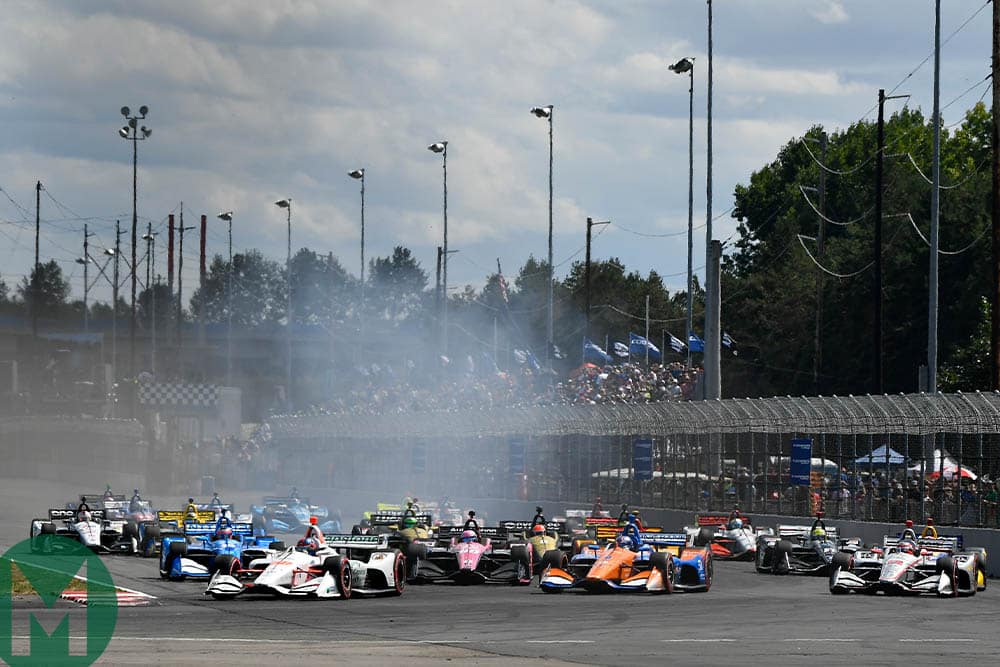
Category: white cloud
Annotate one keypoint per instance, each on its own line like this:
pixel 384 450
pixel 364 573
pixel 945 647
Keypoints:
pixel 832 13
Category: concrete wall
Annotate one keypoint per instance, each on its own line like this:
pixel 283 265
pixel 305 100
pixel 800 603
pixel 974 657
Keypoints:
pixel 85 453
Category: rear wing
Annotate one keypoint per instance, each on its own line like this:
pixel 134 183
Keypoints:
pixel 372 542
pixel 70 515
pixel 593 521
pixel 284 500
pixel 388 507
pixel 940 543
pixel 713 519
pixel 392 518
pixel 515 526
pixel 492 532
pixel 98 498
pixel 611 532
pixel 199 528
pixel 665 539
pixel 209 507
pixel 584 514
pixel 804 531
pixel 180 518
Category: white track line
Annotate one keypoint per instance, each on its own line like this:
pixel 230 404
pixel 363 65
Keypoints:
pixel 942 639
pixel 819 639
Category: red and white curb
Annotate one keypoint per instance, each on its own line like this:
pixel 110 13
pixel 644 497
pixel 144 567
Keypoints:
pixel 123 597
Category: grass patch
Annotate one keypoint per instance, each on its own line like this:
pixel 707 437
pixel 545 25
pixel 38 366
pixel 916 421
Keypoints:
pixel 21 586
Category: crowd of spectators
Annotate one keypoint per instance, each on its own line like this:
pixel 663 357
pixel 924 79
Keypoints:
pixel 381 390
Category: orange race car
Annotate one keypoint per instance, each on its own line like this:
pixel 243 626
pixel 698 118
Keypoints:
pixel 634 561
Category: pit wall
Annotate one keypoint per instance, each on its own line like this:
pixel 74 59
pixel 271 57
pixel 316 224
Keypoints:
pixel 85 453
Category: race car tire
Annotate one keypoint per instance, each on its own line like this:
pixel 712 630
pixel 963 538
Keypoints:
pixel 278 545
pixel 981 570
pixel 148 547
pixel 48 529
pixel 709 570
pixel 340 569
pixel 226 564
pixel 762 551
pixel 399 571
pixel 520 555
pixel 704 537
pixel 947 566
pixel 782 551
pixel 174 551
pixel 554 558
pixel 130 531
pixel 841 562
pixel 665 564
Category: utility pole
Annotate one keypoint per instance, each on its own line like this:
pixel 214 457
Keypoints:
pixel 150 238
pixel 170 253
pixel 932 277
pixel 114 300
pixel 590 224
pixel 437 286
pixel 712 303
pixel 180 287
pixel 820 243
pixel 201 278
pixel 86 282
pixel 35 287
pixel 995 201
pixel 879 154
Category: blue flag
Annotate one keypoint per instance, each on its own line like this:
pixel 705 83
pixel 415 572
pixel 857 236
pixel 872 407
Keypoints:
pixel 593 352
pixel 621 349
pixel 676 344
pixel 694 343
pixel 533 361
pixel 637 346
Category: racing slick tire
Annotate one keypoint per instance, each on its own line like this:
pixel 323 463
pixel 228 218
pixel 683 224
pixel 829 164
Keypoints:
pixel 148 547
pixel 704 537
pixel 130 533
pixel 174 551
pixel 981 570
pixel 709 570
pixel 399 572
pixel 664 562
pixel 520 555
pixel 226 564
pixel 553 558
pixel 762 551
pixel 947 566
pixel 278 545
pixel 841 562
pixel 414 554
pixel 779 561
pixel 47 529
pixel 340 569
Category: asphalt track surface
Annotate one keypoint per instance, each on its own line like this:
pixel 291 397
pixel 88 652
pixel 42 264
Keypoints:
pixel 746 617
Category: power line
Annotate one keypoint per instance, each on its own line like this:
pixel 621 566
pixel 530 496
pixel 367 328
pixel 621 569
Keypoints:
pixel 830 220
pixel 943 187
pixel 826 270
pixel 923 238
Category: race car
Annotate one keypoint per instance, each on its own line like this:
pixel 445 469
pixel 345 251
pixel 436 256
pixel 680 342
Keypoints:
pixel 541 536
pixel 367 566
pixel 909 565
pixel 85 526
pixel 195 554
pixel 289 514
pixel 802 549
pixel 730 536
pixel 407 531
pixel 634 561
pixel 470 554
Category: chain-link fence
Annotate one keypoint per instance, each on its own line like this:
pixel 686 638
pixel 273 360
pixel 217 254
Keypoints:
pixel 872 458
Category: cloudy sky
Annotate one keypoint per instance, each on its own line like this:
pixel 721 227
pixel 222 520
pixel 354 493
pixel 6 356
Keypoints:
pixel 251 102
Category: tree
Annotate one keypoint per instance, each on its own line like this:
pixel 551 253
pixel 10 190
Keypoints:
pixel 47 290
pixel 396 284
pixel 4 291
pixel 322 291
pixel 258 291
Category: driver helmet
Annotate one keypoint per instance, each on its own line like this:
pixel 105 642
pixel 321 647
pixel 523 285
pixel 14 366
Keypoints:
pixel 308 544
pixel 468 536
pixel 735 524
pixel 224 533
pixel 818 533
pixel 908 546
pixel 538 530
pixel 409 522
pixel 83 515
pixel 625 541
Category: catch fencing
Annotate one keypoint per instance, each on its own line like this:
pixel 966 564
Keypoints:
pixel 873 458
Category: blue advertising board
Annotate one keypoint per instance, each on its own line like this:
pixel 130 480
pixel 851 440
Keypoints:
pixel 801 461
pixel 516 447
pixel 642 459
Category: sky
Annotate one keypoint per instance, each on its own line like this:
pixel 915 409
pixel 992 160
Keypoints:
pixel 254 102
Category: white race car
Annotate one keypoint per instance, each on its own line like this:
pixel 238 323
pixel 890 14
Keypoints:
pixel 343 566
pixel 92 533
pixel 911 565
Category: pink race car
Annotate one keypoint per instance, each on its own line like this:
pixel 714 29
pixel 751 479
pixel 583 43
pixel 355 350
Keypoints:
pixel 470 554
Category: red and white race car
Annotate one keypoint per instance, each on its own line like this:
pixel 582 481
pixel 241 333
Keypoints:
pixel 731 536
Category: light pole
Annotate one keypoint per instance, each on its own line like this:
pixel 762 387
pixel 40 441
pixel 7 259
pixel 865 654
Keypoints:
pixel 590 225
pixel 680 67
pixel 442 147
pixel 85 260
pixel 358 174
pixel 287 205
pixel 228 217
pixel 546 113
pixel 150 238
pixel 114 253
pixel 132 132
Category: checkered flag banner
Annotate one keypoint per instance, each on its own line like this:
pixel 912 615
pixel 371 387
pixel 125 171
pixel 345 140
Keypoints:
pixel 179 395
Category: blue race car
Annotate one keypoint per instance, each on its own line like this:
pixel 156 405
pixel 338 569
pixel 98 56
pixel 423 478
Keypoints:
pixel 204 547
pixel 291 514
